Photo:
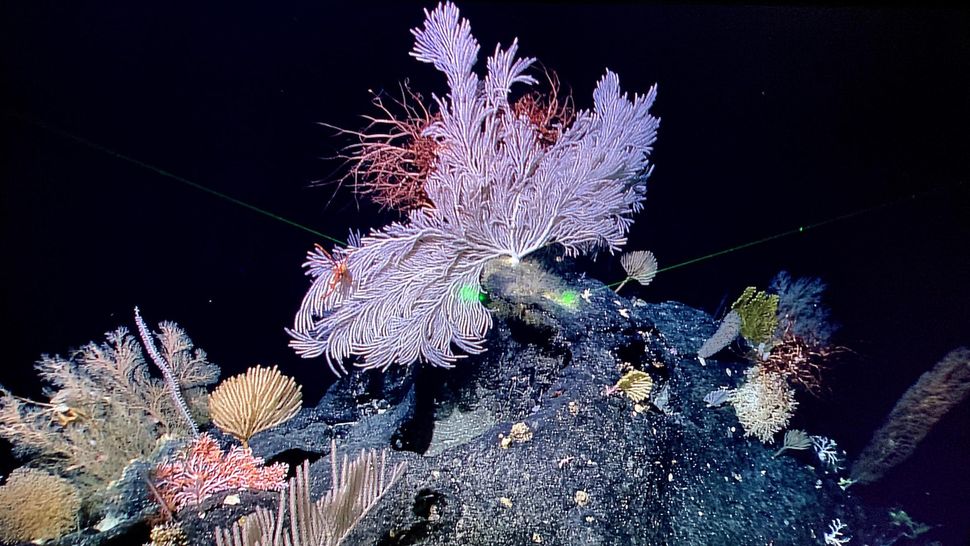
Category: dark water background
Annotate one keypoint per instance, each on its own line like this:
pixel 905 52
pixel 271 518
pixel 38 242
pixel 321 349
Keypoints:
pixel 773 118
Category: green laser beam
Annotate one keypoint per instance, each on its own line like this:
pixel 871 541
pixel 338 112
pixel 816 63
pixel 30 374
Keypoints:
pixel 166 174
pixel 162 172
pixel 801 229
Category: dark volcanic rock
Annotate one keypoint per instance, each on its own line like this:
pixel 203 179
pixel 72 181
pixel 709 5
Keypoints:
pixel 591 468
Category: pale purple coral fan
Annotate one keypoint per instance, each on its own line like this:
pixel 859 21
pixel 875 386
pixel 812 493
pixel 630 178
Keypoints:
pixel 496 191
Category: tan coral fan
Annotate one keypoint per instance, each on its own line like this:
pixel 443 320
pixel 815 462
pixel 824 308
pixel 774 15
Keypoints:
pixel 36 506
pixel 640 265
pixel 636 385
pixel 259 399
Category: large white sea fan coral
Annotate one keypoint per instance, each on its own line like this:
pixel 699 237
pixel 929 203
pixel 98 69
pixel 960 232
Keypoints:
pixel 408 292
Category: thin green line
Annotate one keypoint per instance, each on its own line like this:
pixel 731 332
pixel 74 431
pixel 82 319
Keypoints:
pixel 162 172
pixel 802 229
pixel 167 174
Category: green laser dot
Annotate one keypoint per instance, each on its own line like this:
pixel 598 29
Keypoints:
pixel 568 298
pixel 469 293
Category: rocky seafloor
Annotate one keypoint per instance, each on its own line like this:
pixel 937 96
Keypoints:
pixel 522 444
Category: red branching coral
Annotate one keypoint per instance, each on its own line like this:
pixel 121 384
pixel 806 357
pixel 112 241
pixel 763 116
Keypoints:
pixel 203 470
pixel 548 114
pixel 392 159
pixel 800 360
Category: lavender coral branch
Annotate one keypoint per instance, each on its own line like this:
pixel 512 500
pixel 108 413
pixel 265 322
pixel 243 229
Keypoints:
pixel 496 190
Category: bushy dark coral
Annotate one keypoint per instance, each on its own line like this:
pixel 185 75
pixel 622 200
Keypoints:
pixel 800 308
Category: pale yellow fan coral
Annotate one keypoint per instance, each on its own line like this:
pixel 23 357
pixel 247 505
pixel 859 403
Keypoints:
pixel 259 399
pixel 640 266
pixel 635 384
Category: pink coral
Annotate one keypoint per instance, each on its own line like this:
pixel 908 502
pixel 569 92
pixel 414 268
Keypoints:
pixel 202 470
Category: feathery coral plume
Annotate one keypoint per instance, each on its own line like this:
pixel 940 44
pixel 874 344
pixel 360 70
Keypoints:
pixel 764 403
pixel 640 266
